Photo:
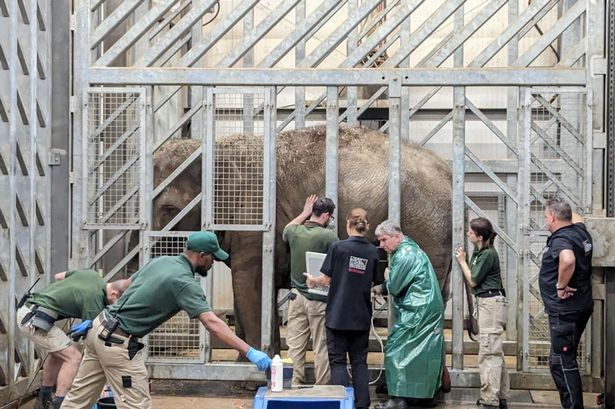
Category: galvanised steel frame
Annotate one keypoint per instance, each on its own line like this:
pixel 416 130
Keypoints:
pixel 25 160
pixel 108 57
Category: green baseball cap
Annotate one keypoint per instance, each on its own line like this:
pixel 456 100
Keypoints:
pixel 206 242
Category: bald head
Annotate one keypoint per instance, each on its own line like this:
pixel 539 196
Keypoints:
pixel 115 289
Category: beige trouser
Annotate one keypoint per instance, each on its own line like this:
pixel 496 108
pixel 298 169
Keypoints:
pixel 494 380
pixel 127 377
pixel 49 341
pixel 305 317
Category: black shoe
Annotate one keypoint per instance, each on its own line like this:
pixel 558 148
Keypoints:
pixel 393 403
pixel 503 404
pixel 42 402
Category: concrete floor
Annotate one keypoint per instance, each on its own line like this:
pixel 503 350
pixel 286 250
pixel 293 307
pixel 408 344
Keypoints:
pixel 458 399
pixel 537 399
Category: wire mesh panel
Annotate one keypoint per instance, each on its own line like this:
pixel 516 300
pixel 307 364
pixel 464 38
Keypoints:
pixel 238 137
pixel 556 125
pixel 115 134
pixel 180 338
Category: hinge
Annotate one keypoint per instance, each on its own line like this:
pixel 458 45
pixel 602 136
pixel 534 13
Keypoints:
pixel 597 65
pixel 71 177
pixel 599 140
pixel 55 157
pixel 73 22
pixel 72 103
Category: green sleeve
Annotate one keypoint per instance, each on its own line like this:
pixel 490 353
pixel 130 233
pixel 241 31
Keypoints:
pixel 401 273
pixel 287 231
pixel 480 267
pixel 191 299
pixel 70 273
pixel 332 239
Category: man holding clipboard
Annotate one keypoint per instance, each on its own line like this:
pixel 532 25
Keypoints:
pixel 306 313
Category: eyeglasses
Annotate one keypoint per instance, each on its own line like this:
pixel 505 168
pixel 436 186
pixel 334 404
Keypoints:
pixel 331 216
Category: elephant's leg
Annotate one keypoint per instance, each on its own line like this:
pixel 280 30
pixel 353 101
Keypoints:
pixel 246 267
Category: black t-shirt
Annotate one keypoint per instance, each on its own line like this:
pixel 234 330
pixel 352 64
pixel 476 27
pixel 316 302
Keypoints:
pixel 351 264
pixel 576 238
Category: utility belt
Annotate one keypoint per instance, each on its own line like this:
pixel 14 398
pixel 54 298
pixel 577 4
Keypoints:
pixel 112 334
pixel 40 317
pixel 491 293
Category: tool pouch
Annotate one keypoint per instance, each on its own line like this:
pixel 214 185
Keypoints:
pixel 43 318
pixel 134 346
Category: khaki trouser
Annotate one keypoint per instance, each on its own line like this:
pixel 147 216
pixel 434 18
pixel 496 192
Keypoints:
pixel 49 341
pixel 305 317
pixel 494 380
pixel 127 377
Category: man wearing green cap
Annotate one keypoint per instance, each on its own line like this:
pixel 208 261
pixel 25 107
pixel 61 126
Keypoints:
pixel 158 291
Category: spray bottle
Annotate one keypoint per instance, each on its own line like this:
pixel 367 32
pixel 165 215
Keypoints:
pixel 277 374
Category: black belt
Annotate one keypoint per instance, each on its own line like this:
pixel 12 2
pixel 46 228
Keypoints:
pixel 491 293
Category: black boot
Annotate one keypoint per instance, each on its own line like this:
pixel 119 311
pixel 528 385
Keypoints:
pixel 43 400
pixel 56 402
pixel 393 403
pixel 503 404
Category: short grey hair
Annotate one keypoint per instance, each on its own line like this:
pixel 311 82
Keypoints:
pixel 560 207
pixel 388 228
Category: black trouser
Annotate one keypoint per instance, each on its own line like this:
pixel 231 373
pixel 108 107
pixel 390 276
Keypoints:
pixel 356 345
pixel 566 330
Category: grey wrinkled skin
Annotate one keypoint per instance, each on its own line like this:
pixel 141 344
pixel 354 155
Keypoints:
pixel 363 182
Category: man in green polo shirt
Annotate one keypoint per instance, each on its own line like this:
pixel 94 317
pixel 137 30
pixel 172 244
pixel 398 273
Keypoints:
pixel 158 291
pixel 80 294
pixel 306 313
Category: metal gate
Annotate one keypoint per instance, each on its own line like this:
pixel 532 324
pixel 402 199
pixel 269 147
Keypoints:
pixel 555 159
pixel 110 202
pixel 343 61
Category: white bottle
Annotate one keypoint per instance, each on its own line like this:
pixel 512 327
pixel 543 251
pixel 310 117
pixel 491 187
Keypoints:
pixel 277 374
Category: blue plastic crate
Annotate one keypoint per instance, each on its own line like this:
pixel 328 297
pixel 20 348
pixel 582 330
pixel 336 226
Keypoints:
pixel 317 397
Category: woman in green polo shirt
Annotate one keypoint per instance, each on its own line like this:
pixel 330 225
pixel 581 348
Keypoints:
pixel 483 275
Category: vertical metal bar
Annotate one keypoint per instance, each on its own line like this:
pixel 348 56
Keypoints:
pixel 146 184
pixel 458 201
pixel 13 67
pixel 458 221
pixel 205 354
pixel 269 204
pixel 208 162
pixel 352 91
pixel 33 172
pixel 589 148
pixel 610 131
pixel 196 92
pixel 394 210
pixel 523 263
pixel 404 35
pixel 395 116
pixel 59 210
pixel 248 62
pixel 81 63
pixel 207 187
pixel 512 220
pixel 332 148
pixel 300 14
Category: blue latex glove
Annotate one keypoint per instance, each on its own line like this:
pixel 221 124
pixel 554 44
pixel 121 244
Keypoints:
pixel 80 330
pixel 259 358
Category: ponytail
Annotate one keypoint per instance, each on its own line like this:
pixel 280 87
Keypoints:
pixel 482 227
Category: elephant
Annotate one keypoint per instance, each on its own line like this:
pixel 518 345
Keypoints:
pixel 426 188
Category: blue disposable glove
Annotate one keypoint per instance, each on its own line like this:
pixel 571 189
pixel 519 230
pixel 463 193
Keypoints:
pixel 80 330
pixel 259 358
